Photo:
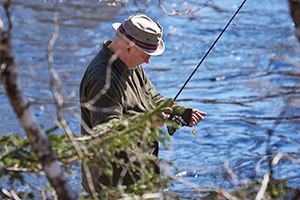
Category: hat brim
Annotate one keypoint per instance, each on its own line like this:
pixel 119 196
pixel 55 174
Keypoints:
pixel 160 49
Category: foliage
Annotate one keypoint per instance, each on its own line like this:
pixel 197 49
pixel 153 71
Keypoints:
pixel 20 166
pixel 277 189
pixel 133 135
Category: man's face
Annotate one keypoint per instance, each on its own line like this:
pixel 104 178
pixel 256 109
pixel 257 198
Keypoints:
pixel 137 57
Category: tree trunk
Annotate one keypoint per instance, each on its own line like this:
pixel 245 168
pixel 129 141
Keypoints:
pixel 295 13
pixel 36 135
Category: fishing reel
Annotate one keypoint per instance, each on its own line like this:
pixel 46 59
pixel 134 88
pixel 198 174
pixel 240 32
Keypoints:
pixel 177 119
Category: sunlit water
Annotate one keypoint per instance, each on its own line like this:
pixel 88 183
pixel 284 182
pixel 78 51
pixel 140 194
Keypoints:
pixel 241 88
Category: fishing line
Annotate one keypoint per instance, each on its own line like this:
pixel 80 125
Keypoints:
pixel 212 46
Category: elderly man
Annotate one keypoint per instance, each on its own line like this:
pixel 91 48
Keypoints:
pixel 116 84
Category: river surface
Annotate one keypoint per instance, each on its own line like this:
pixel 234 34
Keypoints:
pixel 246 84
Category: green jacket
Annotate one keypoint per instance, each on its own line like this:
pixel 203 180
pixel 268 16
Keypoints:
pixel 121 92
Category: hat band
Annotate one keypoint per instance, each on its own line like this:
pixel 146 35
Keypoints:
pixel 138 43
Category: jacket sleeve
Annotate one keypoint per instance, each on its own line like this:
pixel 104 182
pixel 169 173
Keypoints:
pixel 183 111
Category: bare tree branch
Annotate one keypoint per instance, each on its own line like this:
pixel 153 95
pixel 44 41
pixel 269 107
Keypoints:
pixel 9 194
pixel 59 100
pixel 188 11
pixel 36 135
pixel 114 2
pixel 264 186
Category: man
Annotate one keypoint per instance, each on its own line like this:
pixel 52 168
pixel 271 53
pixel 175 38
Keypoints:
pixel 115 83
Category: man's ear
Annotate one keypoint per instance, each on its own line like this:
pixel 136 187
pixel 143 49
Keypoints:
pixel 130 49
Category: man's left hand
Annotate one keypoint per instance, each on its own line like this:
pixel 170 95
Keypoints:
pixel 196 117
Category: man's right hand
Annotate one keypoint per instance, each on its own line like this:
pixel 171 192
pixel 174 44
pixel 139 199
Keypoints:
pixel 162 116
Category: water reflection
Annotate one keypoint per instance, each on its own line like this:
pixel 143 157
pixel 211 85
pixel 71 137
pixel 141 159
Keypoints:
pixel 239 85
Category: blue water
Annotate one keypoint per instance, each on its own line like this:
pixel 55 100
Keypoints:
pixel 243 90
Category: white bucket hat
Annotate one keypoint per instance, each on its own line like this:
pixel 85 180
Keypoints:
pixel 143 31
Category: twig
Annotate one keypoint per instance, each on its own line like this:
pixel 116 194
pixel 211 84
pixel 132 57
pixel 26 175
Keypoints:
pixel 264 186
pixel 281 155
pixel 286 59
pixel 188 11
pixel 156 195
pixel 230 172
pixel 59 100
pixel 12 194
pixel 17 169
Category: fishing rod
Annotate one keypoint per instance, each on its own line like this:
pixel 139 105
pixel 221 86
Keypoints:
pixel 178 119
pixel 211 47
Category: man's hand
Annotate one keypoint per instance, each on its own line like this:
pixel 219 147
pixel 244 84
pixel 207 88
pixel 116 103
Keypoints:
pixel 164 114
pixel 160 120
pixel 196 117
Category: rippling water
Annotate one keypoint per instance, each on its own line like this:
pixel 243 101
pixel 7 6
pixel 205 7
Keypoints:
pixel 243 90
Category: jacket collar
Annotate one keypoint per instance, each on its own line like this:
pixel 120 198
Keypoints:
pixel 118 64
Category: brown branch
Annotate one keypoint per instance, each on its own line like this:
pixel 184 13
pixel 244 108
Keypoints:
pixel 36 135
pixel 295 14
pixel 296 195
pixel 188 11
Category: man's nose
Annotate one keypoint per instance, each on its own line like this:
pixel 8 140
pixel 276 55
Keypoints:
pixel 147 59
